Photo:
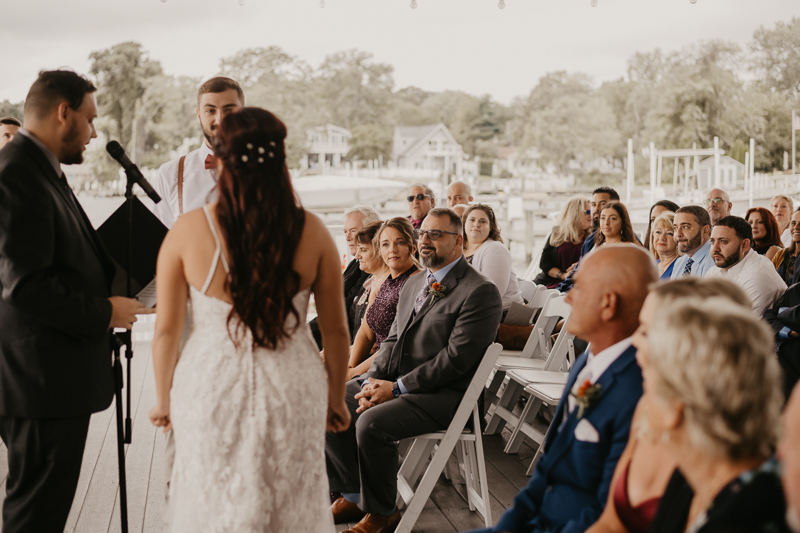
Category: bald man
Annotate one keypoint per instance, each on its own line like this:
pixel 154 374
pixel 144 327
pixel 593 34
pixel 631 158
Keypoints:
pixel 789 454
pixel 570 485
pixel 459 209
pixel 458 193
pixel 718 204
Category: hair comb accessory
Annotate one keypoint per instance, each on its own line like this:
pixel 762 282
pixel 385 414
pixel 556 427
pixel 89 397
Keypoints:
pixel 271 154
pixel 260 149
pixel 260 159
pixel 272 143
pixel 249 146
pixel 244 159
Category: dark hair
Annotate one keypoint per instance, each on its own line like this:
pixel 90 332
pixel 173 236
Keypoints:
pixel 494 229
pixel 773 237
pixel 262 223
pixel 11 121
pixel 700 215
pixel 368 232
pixel 220 84
pixel 455 220
pixel 669 205
pixel 739 225
pixel 53 87
pixel 612 194
pixel 627 228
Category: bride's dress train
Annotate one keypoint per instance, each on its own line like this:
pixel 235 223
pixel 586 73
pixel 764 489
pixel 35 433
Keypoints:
pixel 249 428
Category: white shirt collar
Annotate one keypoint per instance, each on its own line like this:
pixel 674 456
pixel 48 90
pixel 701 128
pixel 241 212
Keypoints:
pixel 599 363
pixel 737 269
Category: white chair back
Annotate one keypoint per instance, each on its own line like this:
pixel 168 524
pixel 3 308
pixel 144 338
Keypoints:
pixel 528 289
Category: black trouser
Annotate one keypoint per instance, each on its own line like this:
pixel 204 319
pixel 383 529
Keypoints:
pixel 370 464
pixel 44 462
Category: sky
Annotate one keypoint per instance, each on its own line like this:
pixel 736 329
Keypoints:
pixel 467 45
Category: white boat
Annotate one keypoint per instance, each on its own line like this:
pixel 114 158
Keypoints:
pixel 320 192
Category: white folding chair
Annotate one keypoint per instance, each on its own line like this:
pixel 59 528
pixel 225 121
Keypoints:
pixel 543 393
pixel 556 357
pixel 441 444
pixel 528 424
pixel 529 289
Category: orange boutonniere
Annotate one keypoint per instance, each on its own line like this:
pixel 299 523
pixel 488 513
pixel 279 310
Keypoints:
pixel 436 290
pixel 585 396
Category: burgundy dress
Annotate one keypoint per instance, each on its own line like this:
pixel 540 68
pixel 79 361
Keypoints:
pixel 635 519
pixel 381 313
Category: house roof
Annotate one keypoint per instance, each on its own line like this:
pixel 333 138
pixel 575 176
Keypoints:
pixel 421 134
pixel 723 160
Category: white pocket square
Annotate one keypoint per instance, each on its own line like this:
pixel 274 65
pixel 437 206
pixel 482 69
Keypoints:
pixel 586 432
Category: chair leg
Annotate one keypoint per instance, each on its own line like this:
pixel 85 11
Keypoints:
pixel 469 467
pixel 539 451
pixel 482 479
pixel 510 396
pixel 413 464
pixel 494 386
pixel 425 487
pixel 527 416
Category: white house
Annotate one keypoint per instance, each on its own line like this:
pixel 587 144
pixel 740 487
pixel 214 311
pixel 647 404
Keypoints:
pixel 430 147
pixel 518 162
pixel 326 144
pixel 730 172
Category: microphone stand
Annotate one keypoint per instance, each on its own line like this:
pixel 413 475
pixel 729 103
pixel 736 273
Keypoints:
pixel 118 341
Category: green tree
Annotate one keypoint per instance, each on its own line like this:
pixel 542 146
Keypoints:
pixel 122 72
pixel 7 109
pixel 776 56
pixel 356 89
pixel 368 141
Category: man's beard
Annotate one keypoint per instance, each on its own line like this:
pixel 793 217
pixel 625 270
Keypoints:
pixel 691 244
pixel 210 135
pixel 729 261
pixel 716 216
pixel 595 224
pixel 71 147
pixel 433 260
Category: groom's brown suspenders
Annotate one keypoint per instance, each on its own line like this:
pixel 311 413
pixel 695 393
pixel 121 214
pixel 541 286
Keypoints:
pixel 180 185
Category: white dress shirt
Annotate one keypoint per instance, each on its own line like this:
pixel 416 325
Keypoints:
pixel 199 185
pixel 757 276
pixel 596 365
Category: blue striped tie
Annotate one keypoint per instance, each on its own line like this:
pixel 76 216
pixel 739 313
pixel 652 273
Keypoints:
pixel 688 270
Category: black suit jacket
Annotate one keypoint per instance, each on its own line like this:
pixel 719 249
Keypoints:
pixel 55 278
pixel 436 351
pixel 353 279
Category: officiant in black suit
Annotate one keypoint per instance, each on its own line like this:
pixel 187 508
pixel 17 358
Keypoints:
pixel 56 307
pixel 446 319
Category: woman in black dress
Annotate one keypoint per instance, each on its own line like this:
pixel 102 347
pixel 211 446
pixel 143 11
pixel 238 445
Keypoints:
pixel 713 399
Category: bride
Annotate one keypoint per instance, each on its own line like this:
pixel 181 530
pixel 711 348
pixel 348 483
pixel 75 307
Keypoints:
pixel 250 399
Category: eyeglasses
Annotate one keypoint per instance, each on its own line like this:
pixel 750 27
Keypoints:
pixel 717 200
pixel 419 197
pixel 433 234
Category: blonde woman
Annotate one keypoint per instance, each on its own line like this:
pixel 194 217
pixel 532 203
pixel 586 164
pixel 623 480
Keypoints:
pixel 644 468
pixel 712 399
pixel 782 207
pixel 662 244
pixel 563 248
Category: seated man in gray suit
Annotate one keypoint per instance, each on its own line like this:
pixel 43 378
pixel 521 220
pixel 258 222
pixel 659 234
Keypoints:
pixel 445 320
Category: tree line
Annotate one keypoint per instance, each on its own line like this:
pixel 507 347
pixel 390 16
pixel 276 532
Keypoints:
pixel 710 88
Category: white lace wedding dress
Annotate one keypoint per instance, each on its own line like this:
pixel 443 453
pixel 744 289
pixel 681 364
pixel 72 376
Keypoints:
pixel 249 428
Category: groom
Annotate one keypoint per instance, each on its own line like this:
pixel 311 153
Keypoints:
pixel 446 318
pixel 569 488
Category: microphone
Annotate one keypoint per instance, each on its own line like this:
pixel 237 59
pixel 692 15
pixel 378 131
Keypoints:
pixel 116 151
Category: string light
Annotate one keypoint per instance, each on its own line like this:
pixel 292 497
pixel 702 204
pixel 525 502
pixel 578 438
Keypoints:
pixel 413 4
pixel 501 4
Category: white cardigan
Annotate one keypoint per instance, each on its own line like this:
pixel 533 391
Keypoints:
pixel 493 260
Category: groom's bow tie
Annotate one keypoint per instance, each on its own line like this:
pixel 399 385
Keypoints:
pixel 211 162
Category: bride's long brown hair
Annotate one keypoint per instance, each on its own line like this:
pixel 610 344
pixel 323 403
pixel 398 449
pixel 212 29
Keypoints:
pixel 261 221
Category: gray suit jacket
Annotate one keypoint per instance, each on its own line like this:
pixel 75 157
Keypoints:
pixel 437 351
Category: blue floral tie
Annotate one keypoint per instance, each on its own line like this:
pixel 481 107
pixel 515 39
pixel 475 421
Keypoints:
pixel 423 293
pixel 687 271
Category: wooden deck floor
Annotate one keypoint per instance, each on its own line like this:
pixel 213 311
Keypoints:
pixel 96 505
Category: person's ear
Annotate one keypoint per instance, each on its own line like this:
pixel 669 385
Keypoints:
pixel 608 306
pixel 745 246
pixel 197 112
pixel 674 415
pixel 706 232
pixel 62 113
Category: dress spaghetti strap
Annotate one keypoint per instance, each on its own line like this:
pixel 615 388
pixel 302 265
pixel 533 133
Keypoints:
pixel 217 253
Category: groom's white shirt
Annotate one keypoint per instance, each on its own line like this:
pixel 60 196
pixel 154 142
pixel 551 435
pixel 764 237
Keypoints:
pixel 199 185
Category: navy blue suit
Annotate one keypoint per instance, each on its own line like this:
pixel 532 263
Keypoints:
pixel 569 487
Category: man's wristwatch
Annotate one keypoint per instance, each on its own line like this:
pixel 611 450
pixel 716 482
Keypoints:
pixel 396 389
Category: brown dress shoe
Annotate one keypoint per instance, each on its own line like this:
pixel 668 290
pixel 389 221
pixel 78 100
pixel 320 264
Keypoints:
pixel 345 511
pixel 376 523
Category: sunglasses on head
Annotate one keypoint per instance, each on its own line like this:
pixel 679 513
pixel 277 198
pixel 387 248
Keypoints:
pixel 419 197
pixel 433 234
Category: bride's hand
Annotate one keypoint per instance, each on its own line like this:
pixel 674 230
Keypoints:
pixel 159 416
pixel 338 417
